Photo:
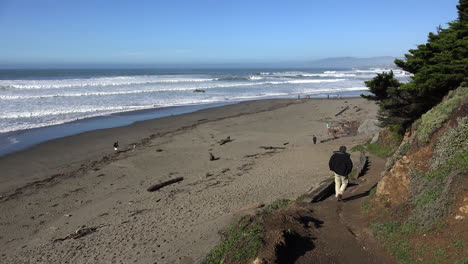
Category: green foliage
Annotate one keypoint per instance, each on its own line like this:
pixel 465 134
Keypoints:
pixel 405 148
pixel 434 118
pixel 275 205
pixel 462 261
pixel 426 197
pixel 240 242
pixel 358 148
pixel 431 190
pixel 381 85
pixel 380 150
pixel 397 128
pixel 439 253
pixel 366 205
pixel 242 239
pixel 352 175
pixel 376 149
pixel 301 197
pixel 438 67
pixel 459 244
pixel 452 142
pixel 393 234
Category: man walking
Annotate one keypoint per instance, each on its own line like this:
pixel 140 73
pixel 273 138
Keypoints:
pixel 341 165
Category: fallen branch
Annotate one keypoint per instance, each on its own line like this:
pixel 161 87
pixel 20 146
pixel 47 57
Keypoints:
pixel 163 184
pixel 80 232
pixel 339 113
pixel 270 147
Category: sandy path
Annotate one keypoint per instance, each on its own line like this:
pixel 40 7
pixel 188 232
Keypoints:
pixel 180 222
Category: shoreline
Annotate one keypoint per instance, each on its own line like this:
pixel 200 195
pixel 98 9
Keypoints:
pixel 79 180
pixel 20 140
pixel 40 154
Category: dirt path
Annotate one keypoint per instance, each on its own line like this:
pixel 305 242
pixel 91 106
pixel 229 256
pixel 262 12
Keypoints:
pixel 342 234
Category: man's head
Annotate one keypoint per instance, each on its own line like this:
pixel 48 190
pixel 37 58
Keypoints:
pixel 342 149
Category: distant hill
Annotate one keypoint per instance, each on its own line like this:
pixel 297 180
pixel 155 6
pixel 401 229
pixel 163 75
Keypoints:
pixel 351 62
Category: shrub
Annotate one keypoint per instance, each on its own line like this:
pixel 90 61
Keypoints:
pixel 434 118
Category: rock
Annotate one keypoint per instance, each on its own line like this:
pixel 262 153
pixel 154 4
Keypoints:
pixel 464 209
pixel 369 126
pixel 259 261
pixel 375 138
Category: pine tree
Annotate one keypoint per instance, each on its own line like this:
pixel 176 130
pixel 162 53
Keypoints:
pixel 438 66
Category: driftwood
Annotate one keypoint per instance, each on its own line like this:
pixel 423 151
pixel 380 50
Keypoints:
pixel 327 139
pixel 340 112
pixel 270 147
pixel 224 141
pixel 324 189
pixel 163 184
pixel 80 232
pixel 212 157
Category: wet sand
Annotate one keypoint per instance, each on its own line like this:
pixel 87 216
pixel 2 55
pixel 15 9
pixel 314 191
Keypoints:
pixel 51 190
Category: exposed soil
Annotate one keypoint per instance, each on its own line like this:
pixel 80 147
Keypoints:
pixel 327 231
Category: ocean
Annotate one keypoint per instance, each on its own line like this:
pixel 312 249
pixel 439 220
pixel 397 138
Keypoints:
pixel 37 105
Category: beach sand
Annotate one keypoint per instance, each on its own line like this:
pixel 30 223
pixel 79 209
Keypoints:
pixel 53 189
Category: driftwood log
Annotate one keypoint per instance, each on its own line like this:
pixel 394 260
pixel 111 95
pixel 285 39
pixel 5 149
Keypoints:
pixel 163 184
pixel 323 190
pixel 212 157
pixel 80 232
pixel 224 141
pixel 270 147
pixel 340 112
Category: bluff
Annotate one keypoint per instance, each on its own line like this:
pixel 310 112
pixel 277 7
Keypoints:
pixel 420 206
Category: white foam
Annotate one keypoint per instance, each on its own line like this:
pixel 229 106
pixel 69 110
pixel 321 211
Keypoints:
pixel 161 89
pixel 330 74
pixel 103 81
pixel 82 109
pixel 311 81
pixel 254 78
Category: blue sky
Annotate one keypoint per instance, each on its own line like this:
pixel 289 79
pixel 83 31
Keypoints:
pixel 191 32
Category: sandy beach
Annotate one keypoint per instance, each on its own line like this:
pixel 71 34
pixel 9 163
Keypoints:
pixel 53 189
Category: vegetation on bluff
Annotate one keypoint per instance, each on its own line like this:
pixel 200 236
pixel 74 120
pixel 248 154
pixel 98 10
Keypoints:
pixel 436 163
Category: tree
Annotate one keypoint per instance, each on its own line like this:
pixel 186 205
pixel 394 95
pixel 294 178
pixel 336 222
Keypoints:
pixel 438 66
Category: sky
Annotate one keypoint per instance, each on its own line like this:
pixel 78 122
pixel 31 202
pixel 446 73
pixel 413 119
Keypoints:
pixel 41 32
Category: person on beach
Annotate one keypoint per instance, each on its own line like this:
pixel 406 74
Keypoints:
pixel 116 146
pixel 341 165
pixel 314 138
pixel 329 129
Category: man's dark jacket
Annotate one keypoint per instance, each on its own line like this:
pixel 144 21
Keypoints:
pixel 341 163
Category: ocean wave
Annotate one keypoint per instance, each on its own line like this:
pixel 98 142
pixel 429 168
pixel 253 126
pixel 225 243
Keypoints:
pixel 310 81
pixel 83 109
pixel 162 89
pixel 58 116
pixel 105 81
pixel 329 74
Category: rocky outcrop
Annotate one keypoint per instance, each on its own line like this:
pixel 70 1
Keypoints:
pixel 369 126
